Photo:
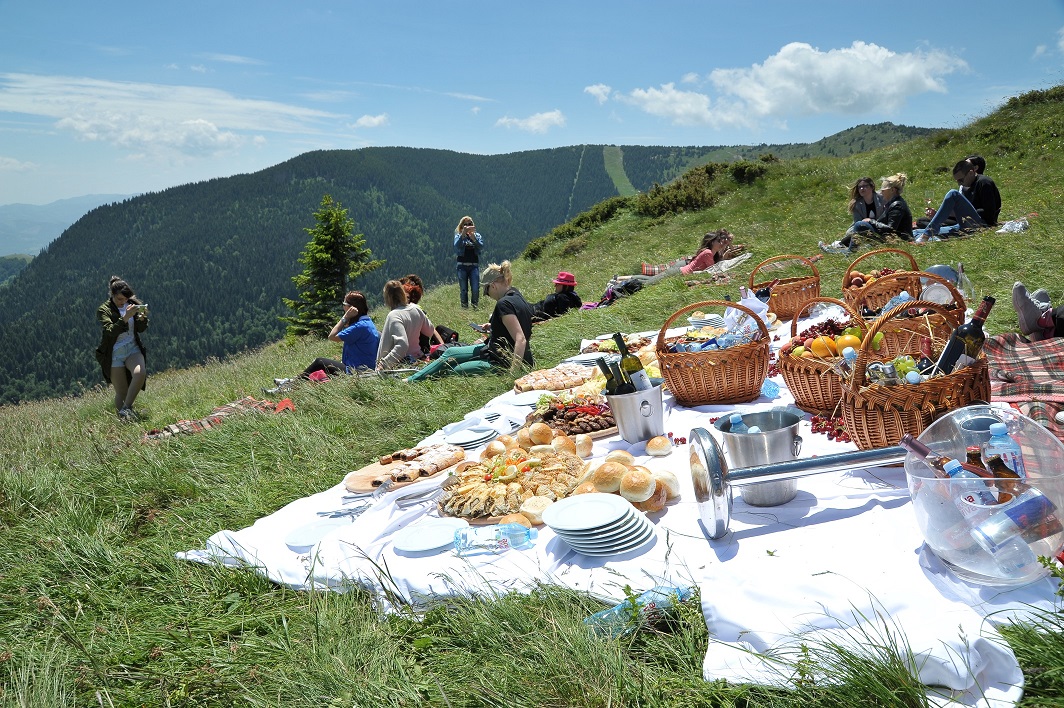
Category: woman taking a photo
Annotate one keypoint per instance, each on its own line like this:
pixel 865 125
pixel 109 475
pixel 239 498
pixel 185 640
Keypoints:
pixel 402 330
pixel 509 332
pixel 121 354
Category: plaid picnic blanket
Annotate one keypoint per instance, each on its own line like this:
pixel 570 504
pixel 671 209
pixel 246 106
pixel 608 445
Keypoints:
pixel 244 405
pixel 649 269
pixel 1029 376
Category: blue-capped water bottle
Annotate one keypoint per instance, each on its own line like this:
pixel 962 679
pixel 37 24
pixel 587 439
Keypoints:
pixel 626 617
pixel 898 299
pixel 497 538
pixel 972 493
pixel 736 424
pixel 1004 446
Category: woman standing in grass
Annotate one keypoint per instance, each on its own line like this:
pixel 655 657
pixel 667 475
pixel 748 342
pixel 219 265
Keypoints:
pixel 121 354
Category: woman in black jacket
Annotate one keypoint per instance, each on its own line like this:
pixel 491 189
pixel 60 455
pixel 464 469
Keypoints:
pixel 120 354
pixel 897 218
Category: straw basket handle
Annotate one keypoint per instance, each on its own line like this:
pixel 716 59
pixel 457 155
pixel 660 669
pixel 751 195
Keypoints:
pixel 805 305
pixel 881 251
pixel 857 378
pixel 954 317
pixel 710 303
pixel 803 259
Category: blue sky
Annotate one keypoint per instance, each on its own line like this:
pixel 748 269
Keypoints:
pixel 123 97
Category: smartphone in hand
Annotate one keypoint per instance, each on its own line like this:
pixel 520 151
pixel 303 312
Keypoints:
pixel 480 328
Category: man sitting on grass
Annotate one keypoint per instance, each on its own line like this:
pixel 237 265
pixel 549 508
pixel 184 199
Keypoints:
pixel 975 205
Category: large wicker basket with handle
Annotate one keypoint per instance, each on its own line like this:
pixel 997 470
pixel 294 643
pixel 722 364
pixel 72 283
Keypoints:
pixel 732 375
pixel 789 293
pixel 902 335
pixel 882 295
pixel 877 416
pixel 815 386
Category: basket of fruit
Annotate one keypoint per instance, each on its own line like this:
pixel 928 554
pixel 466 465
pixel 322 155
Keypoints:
pixel 723 375
pixel 854 281
pixel 877 413
pixel 808 363
pixel 903 334
pixel 787 294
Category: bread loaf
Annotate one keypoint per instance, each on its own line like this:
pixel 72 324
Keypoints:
pixel 584 443
pixel 637 485
pixel 533 508
pixel 607 477
pixel 656 501
pixel 659 446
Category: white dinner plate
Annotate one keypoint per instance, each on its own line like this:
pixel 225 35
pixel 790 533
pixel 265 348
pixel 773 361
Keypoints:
pixel 611 535
pixel 528 398
pixel 586 511
pixel 471 436
pixel 616 551
pixel 302 539
pixel 628 521
pixel 428 535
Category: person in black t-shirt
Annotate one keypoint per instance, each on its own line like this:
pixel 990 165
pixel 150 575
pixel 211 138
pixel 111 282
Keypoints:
pixel 563 299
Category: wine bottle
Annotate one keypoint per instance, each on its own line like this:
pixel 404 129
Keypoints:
pixel 937 462
pixel 631 365
pixel 965 342
pixel 926 364
pixel 611 383
pixel 763 294
pixel 624 384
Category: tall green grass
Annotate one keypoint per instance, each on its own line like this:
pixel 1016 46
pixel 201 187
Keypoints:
pixel 95 610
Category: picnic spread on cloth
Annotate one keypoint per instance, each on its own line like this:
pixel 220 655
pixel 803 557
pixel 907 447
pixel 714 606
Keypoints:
pixel 843 561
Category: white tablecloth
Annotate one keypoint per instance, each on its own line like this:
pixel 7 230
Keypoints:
pixel 842 562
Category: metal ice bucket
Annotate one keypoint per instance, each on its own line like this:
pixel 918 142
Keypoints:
pixel 778 441
pixel 639 416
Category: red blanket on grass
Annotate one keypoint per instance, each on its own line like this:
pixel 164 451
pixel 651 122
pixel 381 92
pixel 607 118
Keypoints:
pixel 1029 376
pixel 244 405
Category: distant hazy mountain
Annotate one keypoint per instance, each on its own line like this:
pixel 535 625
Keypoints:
pixel 27 228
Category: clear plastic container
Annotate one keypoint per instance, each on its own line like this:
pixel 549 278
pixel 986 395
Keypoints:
pixel 953 537
pixel 496 538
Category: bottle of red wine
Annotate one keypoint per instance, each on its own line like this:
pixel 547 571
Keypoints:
pixel 926 363
pixel 624 384
pixel 763 294
pixel 965 342
pixel 936 461
pixel 611 383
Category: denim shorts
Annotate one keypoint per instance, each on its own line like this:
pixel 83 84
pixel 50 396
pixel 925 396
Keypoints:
pixel 121 352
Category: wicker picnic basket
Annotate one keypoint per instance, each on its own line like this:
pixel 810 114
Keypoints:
pixel 883 295
pixel 732 375
pixel 789 293
pixel 877 416
pixel 902 335
pixel 815 387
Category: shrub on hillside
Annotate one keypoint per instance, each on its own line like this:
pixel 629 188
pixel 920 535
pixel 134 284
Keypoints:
pixel 580 224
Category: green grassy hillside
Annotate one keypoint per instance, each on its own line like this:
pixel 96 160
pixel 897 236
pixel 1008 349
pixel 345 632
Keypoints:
pixel 94 609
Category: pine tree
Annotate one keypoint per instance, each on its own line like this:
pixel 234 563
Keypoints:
pixel 334 257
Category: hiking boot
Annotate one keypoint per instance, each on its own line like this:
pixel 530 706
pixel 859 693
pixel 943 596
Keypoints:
pixel 1029 311
pixel 835 247
pixel 1042 295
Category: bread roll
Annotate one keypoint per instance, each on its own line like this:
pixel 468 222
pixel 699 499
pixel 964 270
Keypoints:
pixel 493 448
pixel 584 443
pixel 523 439
pixel 668 479
pixel 516 519
pixel 537 450
pixel 637 486
pixel 585 488
pixel 540 434
pixel 564 443
pixel 607 477
pixel 508 440
pixel 622 456
pixel 656 502
pixel 533 508
pixel 659 446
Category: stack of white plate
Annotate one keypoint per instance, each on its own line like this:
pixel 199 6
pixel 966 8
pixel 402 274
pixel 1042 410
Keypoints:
pixel 707 321
pixel 527 398
pixel 471 438
pixel 599 524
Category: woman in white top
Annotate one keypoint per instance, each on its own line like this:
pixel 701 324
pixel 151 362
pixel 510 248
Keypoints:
pixel 402 329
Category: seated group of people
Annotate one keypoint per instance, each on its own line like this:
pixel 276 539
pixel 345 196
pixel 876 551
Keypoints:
pixel 878 215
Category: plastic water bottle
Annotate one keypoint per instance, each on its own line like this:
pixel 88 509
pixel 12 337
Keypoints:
pixel 898 299
pixel 625 618
pixel 1002 445
pixel 497 538
pixel 844 366
pixel 770 389
pixel 972 492
pixel 737 425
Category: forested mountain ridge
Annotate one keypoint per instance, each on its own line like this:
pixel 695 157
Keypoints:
pixel 214 259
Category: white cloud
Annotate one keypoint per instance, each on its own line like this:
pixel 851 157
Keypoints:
pixel 601 92
pixel 10 164
pixel 231 59
pixel 690 78
pixel 198 68
pixel 368 121
pixel 1060 39
pixel 802 80
pixel 536 123
pixel 1039 51
pixel 475 110
pixel 148 118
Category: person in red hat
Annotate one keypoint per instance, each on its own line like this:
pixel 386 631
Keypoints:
pixel 563 299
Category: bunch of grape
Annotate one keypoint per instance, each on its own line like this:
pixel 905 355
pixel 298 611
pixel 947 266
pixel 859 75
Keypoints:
pixel 829 328
pixel 903 364
pixel 773 366
pixel 834 428
pixel 887 271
